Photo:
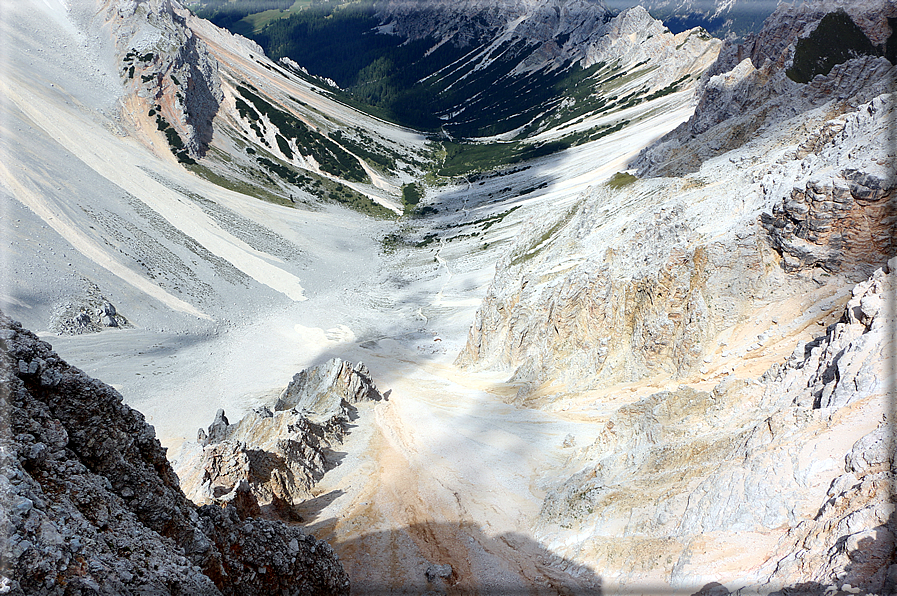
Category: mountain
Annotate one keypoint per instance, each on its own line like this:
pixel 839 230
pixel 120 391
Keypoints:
pixel 721 18
pixel 677 284
pixel 465 69
pixel 92 505
pixel 637 341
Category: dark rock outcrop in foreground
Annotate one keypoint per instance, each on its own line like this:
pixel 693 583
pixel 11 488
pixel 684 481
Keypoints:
pixel 90 505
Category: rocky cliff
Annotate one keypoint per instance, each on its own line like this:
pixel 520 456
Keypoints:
pixel 722 18
pixel 277 456
pixel 657 302
pixel 797 462
pixel 749 89
pixel 91 504
pixel 169 69
pixel 640 277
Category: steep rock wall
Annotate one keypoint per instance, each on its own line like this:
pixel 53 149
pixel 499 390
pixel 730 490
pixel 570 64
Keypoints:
pixel 91 504
pixel 641 276
pixel 748 90
pixel 797 462
pixel 164 63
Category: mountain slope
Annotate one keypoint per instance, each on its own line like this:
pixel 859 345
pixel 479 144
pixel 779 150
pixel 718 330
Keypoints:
pixel 741 230
pixel 721 18
pixel 468 69
pixel 92 505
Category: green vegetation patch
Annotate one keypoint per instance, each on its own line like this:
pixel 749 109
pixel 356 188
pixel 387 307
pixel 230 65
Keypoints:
pixel 332 158
pixel 344 195
pixel 246 188
pixel 621 179
pixel 487 222
pixel 285 173
pixel 835 40
pixel 411 196
pixel 463 158
pixel 368 149
pixel 174 141
pixel 245 16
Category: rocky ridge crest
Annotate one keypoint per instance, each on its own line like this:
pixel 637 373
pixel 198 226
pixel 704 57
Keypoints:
pixel 169 68
pixel 748 91
pixel 582 31
pixel 92 505
pixel 269 461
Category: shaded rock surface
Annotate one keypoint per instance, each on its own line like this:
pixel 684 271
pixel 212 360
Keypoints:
pixel 278 456
pixel 748 89
pixel 165 64
pixel 91 504
pixel 468 22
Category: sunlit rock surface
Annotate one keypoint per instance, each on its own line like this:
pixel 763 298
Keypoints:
pixel 277 455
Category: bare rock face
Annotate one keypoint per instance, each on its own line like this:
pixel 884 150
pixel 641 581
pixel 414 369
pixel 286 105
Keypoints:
pixel 748 89
pixel 86 311
pixel 612 319
pixel 277 456
pixel 634 37
pixel 166 65
pixel 843 222
pixel 673 474
pixel 90 503
pixel 561 31
pixel 639 279
pixel 328 390
pixel 836 369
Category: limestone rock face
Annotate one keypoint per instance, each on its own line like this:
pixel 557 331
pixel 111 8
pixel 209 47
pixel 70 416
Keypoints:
pixel 837 369
pixel 277 456
pixel 90 503
pixel 842 222
pixel 748 90
pixel 562 31
pixel 640 279
pixel 634 37
pixel 166 65
pixel 722 18
pixel 612 319
pixel 328 390
pixel 86 311
pixel 802 481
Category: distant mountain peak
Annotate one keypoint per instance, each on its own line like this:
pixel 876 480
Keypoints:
pixel 722 18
